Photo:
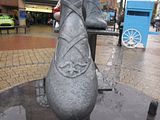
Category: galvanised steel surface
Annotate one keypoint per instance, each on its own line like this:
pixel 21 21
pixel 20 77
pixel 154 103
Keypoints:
pixel 71 84
pixel 137 21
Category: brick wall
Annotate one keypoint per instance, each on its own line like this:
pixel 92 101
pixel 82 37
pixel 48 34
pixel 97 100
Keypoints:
pixel 109 3
pixel 9 3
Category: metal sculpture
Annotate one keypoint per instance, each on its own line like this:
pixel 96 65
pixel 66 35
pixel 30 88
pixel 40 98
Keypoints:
pixel 71 84
pixel 93 17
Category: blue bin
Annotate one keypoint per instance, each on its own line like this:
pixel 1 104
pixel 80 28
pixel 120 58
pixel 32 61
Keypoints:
pixel 137 21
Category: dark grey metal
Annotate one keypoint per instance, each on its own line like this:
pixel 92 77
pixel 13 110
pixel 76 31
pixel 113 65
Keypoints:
pixel 102 32
pixel 120 35
pixel 153 108
pixel 92 39
pixel 94 19
pixel 71 84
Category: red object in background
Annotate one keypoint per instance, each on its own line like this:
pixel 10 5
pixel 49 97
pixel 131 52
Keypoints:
pixel 56 9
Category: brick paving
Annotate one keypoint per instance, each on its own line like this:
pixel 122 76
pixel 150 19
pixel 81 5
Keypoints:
pixel 20 66
pixel 17 42
pixel 25 57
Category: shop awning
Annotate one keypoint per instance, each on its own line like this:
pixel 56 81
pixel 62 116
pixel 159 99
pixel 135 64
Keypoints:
pixel 44 2
pixel 38 8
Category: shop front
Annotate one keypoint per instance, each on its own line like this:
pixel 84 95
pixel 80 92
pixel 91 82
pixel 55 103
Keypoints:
pixel 38 14
pixel 13 9
pixel 29 11
pixel 39 11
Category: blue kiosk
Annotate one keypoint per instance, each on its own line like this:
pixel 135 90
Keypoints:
pixel 137 21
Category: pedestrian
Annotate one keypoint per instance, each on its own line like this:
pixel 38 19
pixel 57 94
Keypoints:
pixel 121 19
pixel 56 11
pixel 56 15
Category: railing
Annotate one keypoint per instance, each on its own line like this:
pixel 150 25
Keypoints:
pixel 16 28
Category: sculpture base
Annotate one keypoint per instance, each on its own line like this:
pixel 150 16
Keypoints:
pixel 28 102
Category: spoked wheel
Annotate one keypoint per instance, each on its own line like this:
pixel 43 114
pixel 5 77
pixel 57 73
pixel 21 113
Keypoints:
pixel 131 38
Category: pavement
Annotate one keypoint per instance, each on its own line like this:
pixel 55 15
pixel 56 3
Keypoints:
pixel 137 68
pixel 28 102
pixel 27 57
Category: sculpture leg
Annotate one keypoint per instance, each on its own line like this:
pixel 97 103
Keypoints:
pixel 71 84
pixel 93 15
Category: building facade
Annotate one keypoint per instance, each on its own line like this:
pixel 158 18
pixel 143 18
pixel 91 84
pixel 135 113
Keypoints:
pixel 158 9
pixel 9 3
pixel 8 6
pixel 112 4
pixel 38 10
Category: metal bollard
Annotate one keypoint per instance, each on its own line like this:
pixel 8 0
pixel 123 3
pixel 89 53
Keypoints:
pixel 152 110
